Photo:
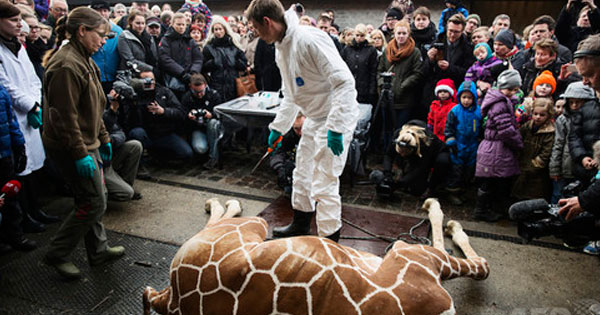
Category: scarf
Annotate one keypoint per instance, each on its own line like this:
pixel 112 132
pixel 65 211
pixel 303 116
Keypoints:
pixel 146 40
pixel 12 44
pixel 395 54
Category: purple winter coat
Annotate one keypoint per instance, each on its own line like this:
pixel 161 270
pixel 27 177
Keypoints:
pixel 479 71
pixel 497 153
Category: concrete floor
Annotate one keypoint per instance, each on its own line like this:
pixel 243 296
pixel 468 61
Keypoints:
pixel 524 279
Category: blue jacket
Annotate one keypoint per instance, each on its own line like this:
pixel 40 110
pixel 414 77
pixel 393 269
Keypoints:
pixel 107 57
pixel 463 127
pixel 10 134
pixel 446 14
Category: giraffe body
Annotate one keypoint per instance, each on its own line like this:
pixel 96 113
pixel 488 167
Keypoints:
pixel 227 268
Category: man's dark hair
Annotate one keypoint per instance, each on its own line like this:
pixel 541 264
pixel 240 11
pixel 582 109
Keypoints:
pixel 199 17
pixel 325 18
pixel 422 11
pixel 259 9
pixel 197 79
pixel 545 19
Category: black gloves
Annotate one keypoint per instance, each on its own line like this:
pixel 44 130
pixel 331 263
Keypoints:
pixel 19 158
pixel 186 78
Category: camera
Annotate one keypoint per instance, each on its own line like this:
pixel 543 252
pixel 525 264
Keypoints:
pixel 387 79
pixel 438 46
pixel 299 8
pixel 536 218
pixel 199 115
pixel 384 185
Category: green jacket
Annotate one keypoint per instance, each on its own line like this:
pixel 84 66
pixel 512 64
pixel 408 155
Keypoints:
pixel 73 102
pixel 408 75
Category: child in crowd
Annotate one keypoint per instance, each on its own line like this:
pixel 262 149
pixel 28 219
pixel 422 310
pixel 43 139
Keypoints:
pixel 481 69
pixel 561 174
pixel 439 109
pixel 559 107
pixel 452 7
pixel 538 137
pixel 543 86
pixel 497 161
pixel 463 127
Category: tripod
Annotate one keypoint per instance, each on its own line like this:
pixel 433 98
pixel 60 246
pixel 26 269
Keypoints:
pixel 384 119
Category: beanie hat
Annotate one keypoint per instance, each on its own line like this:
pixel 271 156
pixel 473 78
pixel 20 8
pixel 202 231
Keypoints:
pixel 395 13
pixel 579 90
pixel 487 48
pixel 445 85
pixel 100 4
pixel 24 27
pixel 545 77
pixel 476 17
pixel 506 37
pixel 8 10
pixel 509 79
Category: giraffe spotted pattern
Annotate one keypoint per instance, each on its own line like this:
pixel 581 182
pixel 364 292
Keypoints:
pixel 228 268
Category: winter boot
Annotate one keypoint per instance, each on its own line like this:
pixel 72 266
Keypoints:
pixel 43 217
pixel 31 225
pixel 483 210
pixel 300 225
pixel 111 253
pixel 335 236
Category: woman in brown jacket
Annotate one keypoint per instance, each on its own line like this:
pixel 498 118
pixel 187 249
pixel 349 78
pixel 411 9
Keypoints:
pixel 75 137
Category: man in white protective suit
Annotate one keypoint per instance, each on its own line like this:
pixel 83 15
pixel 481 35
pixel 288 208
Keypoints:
pixel 317 82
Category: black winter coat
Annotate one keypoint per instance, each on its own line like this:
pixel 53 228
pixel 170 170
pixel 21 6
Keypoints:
pixel 569 34
pixel 268 77
pixel 222 63
pixel 460 59
pixel 179 54
pixel 529 72
pixel 211 99
pixel 362 61
pixel 585 130
pixel 589 199
pixel 157 125
pixel 527 55
pixel 423 38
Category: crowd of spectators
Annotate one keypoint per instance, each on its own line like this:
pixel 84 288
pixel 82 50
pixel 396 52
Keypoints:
pixel 522 122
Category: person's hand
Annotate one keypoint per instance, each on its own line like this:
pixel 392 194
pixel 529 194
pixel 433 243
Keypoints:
pixel 191 116
pixel 443 64
pixel 208 115
pixel 186 78
pixel 114 100
pixel 588 163
pixel 273 136
pixel 85 167
pixel 564 71
pixel 483 86
pixel 19 158
pixel 156 109
pixel 589 3
pixel 34 117
pixel 569 208
pixel 431 53
pixel 106 152
pixel 334 142
pixel 570 4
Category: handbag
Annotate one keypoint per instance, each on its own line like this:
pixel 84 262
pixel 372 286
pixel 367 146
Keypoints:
pixel 245 84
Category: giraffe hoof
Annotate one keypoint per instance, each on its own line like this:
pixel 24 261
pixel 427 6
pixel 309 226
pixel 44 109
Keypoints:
pixel 208 204
pixel 452 227
pixel 429 203
pixel 234 206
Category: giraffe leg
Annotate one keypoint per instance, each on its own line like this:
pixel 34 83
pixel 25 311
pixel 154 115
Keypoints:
pixel 436 217
pixel 216 210
pixel 234 209
pixel 156 300
pixel 460 238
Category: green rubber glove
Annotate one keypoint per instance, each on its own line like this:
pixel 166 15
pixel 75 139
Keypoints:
pixel 34 117
pixel 334 142
pixel 106 152
pixel 85 167
pixel 273 136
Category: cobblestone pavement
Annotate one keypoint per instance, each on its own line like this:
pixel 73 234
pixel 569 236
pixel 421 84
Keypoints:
pixel 239 161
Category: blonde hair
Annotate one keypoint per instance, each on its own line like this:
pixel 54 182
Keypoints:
pixel 217 19
pixel 360 29
pixel 546 103
pixel 378 33
pixel 402 23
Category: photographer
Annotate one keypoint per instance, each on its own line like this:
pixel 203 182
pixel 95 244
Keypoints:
pixel 587 61
pixel 122 171
pixel 283 160
pixel 416 152
pixel 204 127
pixel 155 119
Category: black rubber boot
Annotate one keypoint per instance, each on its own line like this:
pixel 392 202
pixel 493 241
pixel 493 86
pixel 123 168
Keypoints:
pixel 43 217
pixel 335 236
pixel 31 225
pixel 300 225
pixel 483 209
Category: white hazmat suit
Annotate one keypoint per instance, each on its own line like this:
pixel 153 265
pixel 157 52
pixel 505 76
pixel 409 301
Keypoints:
pixel 317 82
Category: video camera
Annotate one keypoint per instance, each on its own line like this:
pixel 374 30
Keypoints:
pixel 536 218
pixel 384 185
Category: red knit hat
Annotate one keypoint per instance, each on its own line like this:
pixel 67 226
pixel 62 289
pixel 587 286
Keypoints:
pixel 545 77
pixel 446 85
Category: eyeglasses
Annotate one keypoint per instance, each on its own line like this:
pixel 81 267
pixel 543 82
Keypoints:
pixel 59 9
pixel 103 35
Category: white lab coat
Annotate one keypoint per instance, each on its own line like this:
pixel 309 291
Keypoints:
pixel 18 76
pixel 316 81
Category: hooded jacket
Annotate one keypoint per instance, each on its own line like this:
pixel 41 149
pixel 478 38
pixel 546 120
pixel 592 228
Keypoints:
pixel 222 62
pixel 438 113
pixel 131 49
pixel 10 134
pixel 179 54
pixel 585 130
pixel 560 159
pixel 316 80
pixel 107 57
pixel 482 70
pixel 362 61
pixel 449 12
pixel 497 153
pixel 463 128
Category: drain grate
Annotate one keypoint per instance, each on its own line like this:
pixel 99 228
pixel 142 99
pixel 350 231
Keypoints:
pixel 30 287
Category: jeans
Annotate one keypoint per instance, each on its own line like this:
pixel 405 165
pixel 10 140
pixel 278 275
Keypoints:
pixel 170 146
pixel 208 140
